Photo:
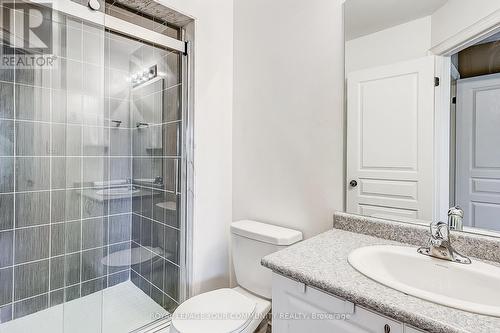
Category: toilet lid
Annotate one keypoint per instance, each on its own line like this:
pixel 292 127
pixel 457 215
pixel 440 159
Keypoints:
pixel 218 311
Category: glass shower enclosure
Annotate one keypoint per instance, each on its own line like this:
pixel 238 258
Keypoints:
pixel 93 125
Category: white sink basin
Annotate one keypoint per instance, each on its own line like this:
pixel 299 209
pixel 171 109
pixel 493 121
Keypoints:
pixel 471 287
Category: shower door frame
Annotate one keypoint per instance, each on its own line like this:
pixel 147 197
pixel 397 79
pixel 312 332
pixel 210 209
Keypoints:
pixel 184 46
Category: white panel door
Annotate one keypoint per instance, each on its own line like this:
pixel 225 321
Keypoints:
pixel 390 129
pixel 478 151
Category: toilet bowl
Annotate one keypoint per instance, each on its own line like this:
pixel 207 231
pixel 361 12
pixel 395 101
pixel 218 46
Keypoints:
pixel 241 309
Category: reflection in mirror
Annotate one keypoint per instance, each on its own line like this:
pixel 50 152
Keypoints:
pixel 423 111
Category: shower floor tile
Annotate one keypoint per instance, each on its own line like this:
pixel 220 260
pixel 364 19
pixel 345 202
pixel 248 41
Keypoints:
pixel 118 309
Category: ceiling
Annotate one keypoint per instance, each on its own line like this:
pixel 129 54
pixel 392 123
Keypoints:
pixel 363 17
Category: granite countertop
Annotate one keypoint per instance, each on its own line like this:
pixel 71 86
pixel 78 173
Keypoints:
pixel 321 262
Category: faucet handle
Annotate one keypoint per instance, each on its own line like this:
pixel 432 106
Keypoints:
pixel 439 233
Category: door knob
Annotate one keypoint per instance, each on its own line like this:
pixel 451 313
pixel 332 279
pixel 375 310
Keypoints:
pixel 353 183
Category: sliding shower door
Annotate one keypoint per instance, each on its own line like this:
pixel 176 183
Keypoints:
pixel 92 135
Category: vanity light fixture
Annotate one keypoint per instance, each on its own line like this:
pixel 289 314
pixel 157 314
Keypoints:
pixel 144 76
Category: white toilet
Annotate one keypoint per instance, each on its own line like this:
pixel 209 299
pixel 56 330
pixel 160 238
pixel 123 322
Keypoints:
pixel 240 309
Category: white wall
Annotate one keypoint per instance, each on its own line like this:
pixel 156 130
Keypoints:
pixel 402 42
pixel 457 15
pixel 213 117
pixel 288 118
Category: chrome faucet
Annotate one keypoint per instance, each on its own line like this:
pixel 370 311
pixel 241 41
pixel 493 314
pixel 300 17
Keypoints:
pixel 440 245
pixel 456 218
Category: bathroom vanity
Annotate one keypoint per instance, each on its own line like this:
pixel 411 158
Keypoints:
pixel 296 300
pixel 316 289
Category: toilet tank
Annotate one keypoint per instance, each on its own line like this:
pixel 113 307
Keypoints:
pixel 251 241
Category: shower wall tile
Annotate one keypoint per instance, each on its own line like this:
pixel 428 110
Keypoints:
pixel 118 278
pixel 6 174
pixel 93 286
pixel 171 139
pixel 32 173
pixel 120 141
pixel 173 109
pixel 74 41
pixel 5 285
pixel 158 272
pixel 31 279
pixel 123 251
pixel 56 297
pixel 171 281
pixel 32 103
pixel 65 238
pixel 158 235
pixel 32 208
pixel 136 228
pixel 6 248
pixel 118 109
pixel 32 138
pixel 92 265
pixel 166 206
pixel 6 95
pixel 74 100
pixel 29 306
pixel 57 272
pixel 95 169
pixel 59 105
pixel 95 140
pixel 64 271
pixel 73 73
pixel 7 209
pixel 120 206
pixel 72 269
pixel 120 228
pixel 5 313
pixel 31 244
pixel 66 205
pixel 71 293
pixel 120 168
pixel 66 140
pixel 172 244
pixel 92 80
pixel 66 172
pixel 94 233
pixel 93 207
pixel 7 135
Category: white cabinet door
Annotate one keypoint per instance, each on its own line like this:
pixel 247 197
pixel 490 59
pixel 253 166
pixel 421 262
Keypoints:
pixel 477 150
pixel 409 329
pixel 390 130
pixel 301 309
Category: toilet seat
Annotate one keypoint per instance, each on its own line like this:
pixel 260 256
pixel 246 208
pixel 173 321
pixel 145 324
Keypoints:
pixel 219 311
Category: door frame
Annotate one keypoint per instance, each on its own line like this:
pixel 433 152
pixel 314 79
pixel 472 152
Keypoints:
pixel 443 51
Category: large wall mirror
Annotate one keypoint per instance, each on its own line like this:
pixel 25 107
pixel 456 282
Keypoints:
pixel 423 110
